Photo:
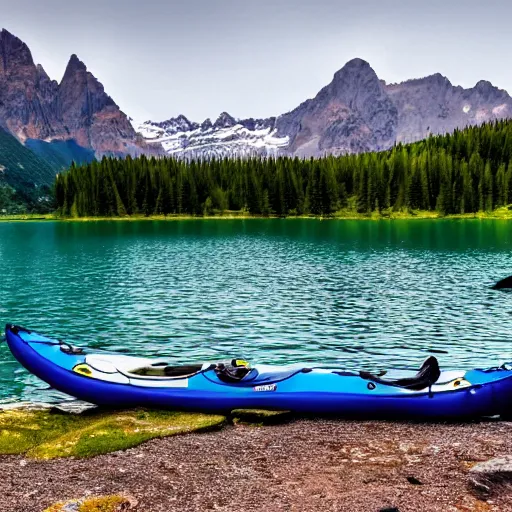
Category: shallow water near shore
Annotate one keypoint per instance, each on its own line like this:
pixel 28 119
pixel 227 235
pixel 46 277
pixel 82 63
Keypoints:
pixel 347 293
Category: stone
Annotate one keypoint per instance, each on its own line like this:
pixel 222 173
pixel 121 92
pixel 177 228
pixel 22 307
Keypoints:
pixel 492 476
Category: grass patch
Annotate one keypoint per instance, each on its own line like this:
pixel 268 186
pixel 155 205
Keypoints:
pixel 48 434
pixel 349 213
pixel 27 216
pixel 344 214
pixel 112 503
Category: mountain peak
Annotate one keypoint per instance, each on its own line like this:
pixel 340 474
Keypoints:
pixel 357 63
pixel 354 68
pixel 438 78
pixel 206 124
pixel 484 85
pixel 75 64
pixel 177 124
pixel 490 92
pixel 74 68
pixel 5 34
pixel 42 73
pixel 13 52
pixel 225 120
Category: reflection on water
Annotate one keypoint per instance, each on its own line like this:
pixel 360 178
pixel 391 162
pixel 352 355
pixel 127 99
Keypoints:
pixel 349 293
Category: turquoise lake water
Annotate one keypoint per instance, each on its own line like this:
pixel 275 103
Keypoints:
pixel 348 293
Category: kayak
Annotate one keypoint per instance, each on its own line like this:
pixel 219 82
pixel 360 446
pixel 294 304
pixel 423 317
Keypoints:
pixel 117 380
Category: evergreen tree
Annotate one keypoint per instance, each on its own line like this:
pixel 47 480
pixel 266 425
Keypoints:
pixel 463 172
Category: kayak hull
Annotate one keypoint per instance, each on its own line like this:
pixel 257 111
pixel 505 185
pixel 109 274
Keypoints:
pixel 312 392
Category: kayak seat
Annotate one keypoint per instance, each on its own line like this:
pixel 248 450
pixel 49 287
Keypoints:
pixel 246 376
pixel 427 375
pixel 158 370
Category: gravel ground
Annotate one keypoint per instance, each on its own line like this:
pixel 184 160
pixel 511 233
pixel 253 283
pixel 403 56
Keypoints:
pixel 305 465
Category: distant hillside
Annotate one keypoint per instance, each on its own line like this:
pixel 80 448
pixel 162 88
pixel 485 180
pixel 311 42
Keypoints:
pixel 25 178
pixel 74 120
pixel 27 172
pixel 60 153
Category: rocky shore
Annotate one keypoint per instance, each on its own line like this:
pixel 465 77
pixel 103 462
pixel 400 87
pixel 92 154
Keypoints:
pixel 299 465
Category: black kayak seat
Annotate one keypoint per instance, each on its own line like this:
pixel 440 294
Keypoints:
pixel 427 375
pixel 245 376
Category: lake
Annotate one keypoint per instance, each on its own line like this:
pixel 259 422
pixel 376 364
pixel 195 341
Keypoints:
pixel 354 294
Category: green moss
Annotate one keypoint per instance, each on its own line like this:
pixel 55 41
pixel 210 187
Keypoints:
pixel 47 435
pixel 99 504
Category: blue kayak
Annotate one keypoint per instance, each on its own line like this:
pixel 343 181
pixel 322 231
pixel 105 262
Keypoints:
pixel 115 380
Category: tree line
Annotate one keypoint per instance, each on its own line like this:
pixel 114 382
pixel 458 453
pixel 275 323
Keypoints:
pixel 467 171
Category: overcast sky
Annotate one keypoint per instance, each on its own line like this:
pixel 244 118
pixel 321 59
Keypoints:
pixel 160 58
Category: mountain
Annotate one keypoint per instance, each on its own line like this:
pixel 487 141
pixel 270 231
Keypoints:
pixel 352 114
pixel 76 120
pixel 226 137
pixel 35 108
pixel 433 105
pixel 356 112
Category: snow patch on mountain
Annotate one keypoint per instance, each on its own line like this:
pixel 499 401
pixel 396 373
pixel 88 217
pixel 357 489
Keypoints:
pixel 227 137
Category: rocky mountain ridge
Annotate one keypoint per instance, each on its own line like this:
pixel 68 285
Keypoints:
pixel 34 107
pixel 356 112
pixel 226 137
pixel 77 120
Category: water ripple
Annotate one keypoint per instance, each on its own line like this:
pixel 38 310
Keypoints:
pixel 349 293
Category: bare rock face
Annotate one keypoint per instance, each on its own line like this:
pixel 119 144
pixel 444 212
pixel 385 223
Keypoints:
pixel 32 106
pixel 91 116
pixel 27 95
pixel 433 105
pixel 355 113
pixel 352 114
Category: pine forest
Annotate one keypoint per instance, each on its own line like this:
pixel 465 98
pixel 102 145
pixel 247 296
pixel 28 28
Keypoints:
pixel 467 171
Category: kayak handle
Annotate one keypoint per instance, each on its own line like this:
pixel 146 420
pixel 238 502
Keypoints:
pixel 15 329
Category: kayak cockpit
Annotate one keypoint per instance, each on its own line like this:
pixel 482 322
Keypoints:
pixel 139 368
pixel 167 371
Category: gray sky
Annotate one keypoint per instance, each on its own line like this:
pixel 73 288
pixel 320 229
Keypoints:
pixel 160 58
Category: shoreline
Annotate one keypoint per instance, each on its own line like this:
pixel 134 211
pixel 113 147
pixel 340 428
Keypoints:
pixel 500 214
pixel 303 464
